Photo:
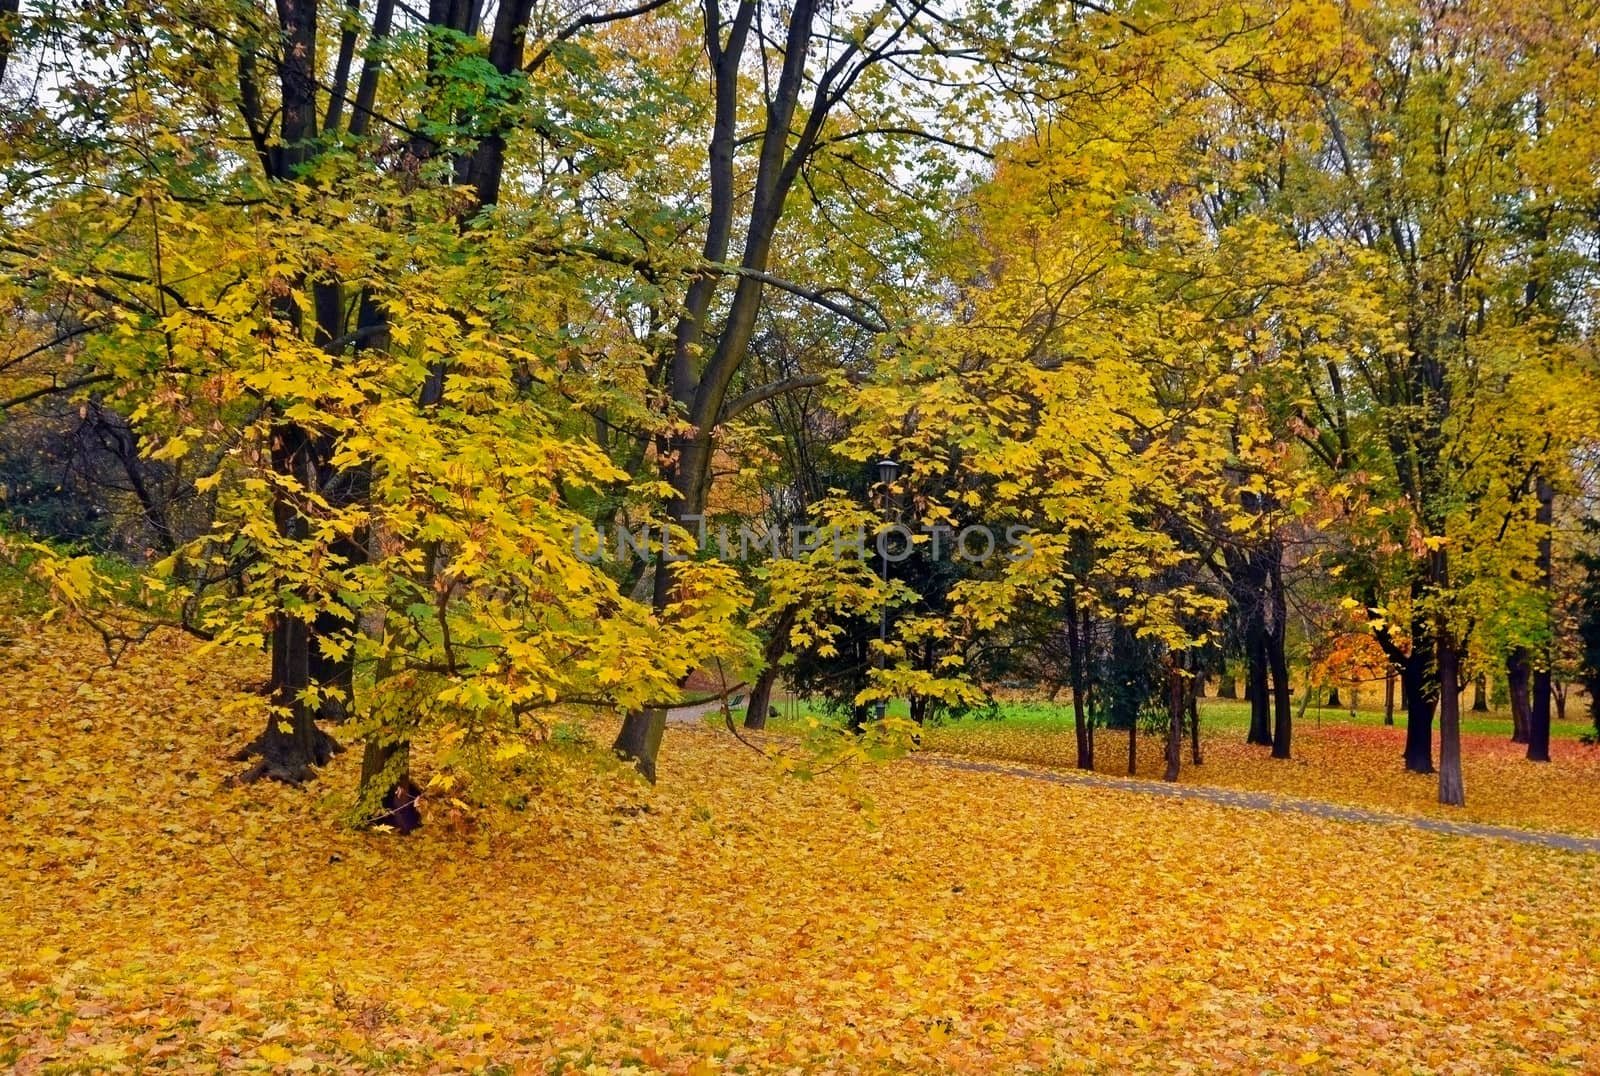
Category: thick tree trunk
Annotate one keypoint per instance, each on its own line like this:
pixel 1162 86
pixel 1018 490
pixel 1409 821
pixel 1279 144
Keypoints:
pixel 1451 791
pixel 1227 686
pixel 291 745
pixel 759 707
pixel 1518 685
pixel 1333 697
pixel 1539 718
pixel 385 768
pixel 1420 698
pixel 1480 694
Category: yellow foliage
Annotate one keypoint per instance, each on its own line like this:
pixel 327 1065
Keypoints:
pixel 897 918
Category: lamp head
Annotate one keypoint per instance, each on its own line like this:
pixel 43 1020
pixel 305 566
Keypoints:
pixel 887 471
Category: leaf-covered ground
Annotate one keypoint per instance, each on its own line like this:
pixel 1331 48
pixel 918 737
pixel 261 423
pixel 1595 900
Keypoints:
pixel 1342 763
pixel 901 917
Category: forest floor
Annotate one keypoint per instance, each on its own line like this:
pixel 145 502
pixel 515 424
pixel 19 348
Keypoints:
pixel 891 917
pixel 1333 759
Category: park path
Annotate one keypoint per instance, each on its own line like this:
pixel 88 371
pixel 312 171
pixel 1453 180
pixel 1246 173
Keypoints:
pixel 1266 801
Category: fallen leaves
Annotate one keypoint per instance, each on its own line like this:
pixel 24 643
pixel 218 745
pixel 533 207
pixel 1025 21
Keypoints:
pixel 732 919
pixel 1352 764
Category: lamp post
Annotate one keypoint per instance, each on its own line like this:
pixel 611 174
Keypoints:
pixel 887 471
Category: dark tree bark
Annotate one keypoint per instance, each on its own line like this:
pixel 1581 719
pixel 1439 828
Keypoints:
pixel 1282 732
pixel 1451 791
pixel 1177 710
pixel 1227 686
pixel 1518 684
pixel 1539 712
pixel 760 705
pixel 1421 695
pixel 1388 695
pixel 1078 628
pixel 1480 694
pixel 1332 701
pixel 1257 691
pixel 1194 728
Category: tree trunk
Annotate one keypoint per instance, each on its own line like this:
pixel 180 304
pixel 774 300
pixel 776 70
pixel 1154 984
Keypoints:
pixel 1451 791
pixel 1388 695
pixel 1539 712
pixel 1281 698
pixel 384 766
pixel 705 358
pixel 1177 709
pixel 1517 684
pixel 1558 693
pixel 1480 694
pixel 1420 698
pixel 1258 692
pixel 1194 728
pixel 760 705
pixel 1133 747
pixel 291 745
pixel 1333 697
pixel 1227 686
pixel 1077 641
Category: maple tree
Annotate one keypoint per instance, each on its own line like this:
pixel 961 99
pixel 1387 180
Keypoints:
pixel 407 377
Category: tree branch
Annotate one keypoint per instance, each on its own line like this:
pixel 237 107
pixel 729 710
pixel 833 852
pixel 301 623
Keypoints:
pixel 749 399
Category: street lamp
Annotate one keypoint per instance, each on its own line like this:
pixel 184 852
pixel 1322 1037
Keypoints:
pixel 887 471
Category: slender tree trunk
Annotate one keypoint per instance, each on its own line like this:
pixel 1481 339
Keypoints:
pixel 1194 729
pixel 1388 695
pixel 1480 694
pixel 1558 692
pixel 1518 685
pixel 1539 712
pixel 1133 747
pixel 1177 709
pixel 755 714
pixel 1277 653
pixel 1258 693
pixel 1077 640
pixel 1283 703
pixel 1451 791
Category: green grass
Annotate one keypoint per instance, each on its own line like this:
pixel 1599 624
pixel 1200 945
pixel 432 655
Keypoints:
pixel 1215 714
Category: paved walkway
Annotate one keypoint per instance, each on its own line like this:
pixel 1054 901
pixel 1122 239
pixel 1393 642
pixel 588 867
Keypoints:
pixel 691 715
pixel 1266 801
